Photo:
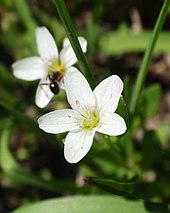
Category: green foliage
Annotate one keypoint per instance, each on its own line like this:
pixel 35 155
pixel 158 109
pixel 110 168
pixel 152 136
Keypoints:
pixel 163 132
pixel 83 204
pixel 151 100
pixel 135 165
pixel 20 175
pixel 131 190
pixel 113 186
pixel 122 110
pixel 125 40
pixel 148 159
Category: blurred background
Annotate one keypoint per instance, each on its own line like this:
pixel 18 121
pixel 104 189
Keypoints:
pixel 32 165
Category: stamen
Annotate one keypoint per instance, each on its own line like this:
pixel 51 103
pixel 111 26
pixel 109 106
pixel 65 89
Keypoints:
pixel 90 117
pixel 93 107
pixel 56 70
pixel 91 120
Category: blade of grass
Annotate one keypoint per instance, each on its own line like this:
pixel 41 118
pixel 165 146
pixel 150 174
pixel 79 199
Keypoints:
pixel 71 33
pixel 148 55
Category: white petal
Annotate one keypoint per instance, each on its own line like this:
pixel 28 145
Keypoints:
pixel 108 93
pixel 67 54
pixel 31 68
pixel 46 45
pixel 43 93
pixel 79 93
pixel 77 144
pixel 66 42
pixel 111 124
pixel 69 69
pixel 59 121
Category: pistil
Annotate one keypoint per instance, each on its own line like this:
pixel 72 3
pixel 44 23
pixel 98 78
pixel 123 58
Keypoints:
pixel 91 121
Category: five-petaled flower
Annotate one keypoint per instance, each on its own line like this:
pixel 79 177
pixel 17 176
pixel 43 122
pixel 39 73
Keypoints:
pixel 91 111
pixel 51 67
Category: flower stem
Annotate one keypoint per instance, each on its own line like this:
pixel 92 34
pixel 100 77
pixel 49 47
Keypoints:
pixel 147 57
pixel 71 33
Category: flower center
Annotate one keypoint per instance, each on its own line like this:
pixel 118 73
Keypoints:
pixel 56 70
pixel 91 121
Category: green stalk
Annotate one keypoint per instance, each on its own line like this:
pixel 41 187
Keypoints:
pixel 71 33
pixel 148 55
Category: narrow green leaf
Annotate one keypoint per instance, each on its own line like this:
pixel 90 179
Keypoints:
pixel 115 187
pixel 126 41
pixel 145 191
pixel 71 33
pixel 148 56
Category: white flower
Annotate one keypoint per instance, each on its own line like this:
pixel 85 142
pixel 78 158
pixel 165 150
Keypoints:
pixel 50 66
pixel 91 111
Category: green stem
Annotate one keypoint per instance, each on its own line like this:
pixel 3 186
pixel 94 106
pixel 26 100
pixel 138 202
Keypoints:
pixel 71 33
pixel 147 57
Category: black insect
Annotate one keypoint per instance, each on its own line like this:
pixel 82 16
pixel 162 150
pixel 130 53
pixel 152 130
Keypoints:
pixel 54 87
pixel 54 78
